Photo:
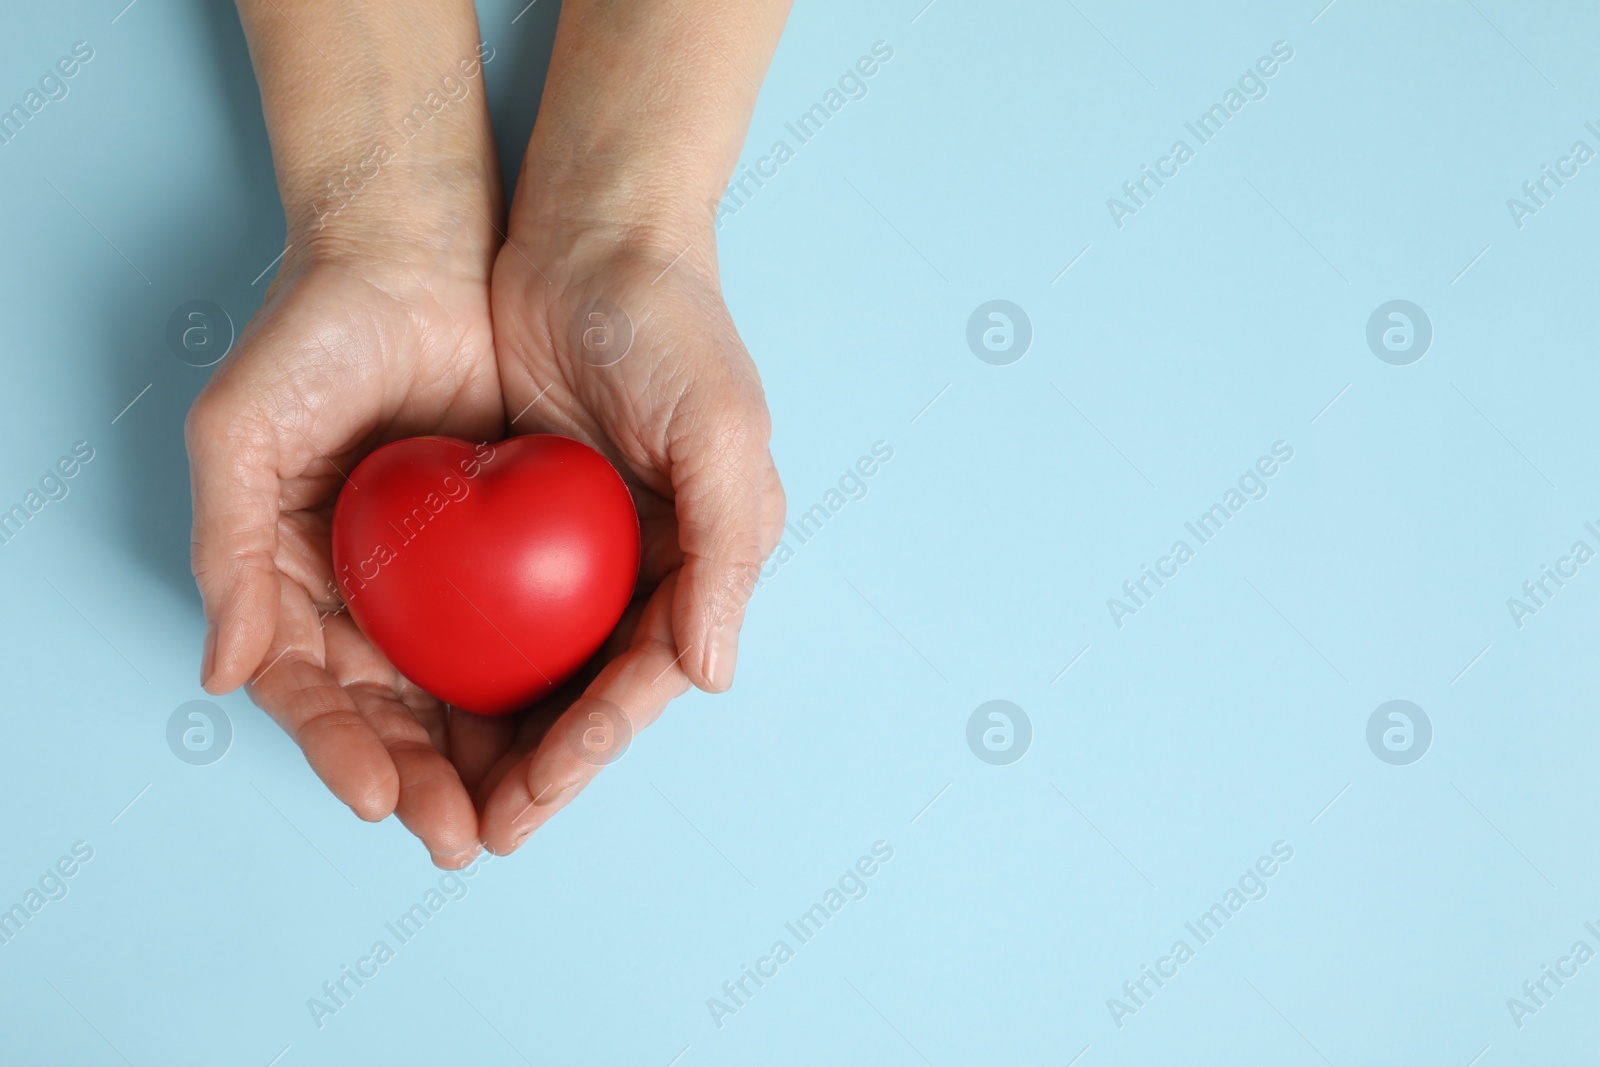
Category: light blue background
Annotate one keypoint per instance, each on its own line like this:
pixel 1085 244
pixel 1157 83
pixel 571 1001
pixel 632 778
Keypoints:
pixel 1222 718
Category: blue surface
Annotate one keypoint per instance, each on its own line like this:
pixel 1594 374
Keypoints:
pixel 1226 717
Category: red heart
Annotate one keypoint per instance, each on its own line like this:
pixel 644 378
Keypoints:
pixel 488 575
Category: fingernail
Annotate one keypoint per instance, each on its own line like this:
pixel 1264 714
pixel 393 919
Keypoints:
pixel 721 652
pixel 208 655
pixel 457 860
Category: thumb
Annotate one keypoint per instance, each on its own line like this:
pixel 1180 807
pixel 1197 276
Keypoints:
pixel 718 481
pixel 233 478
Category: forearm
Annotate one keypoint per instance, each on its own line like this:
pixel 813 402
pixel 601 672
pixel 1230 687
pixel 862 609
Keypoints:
pixel 379 128
pixel 644 112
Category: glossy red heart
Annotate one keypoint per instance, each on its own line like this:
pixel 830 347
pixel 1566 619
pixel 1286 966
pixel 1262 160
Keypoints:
pixel 487 574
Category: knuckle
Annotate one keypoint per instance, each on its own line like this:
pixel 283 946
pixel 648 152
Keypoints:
pixel 758 418
pixel 731 589
pixel 205 418
pixel 218 423
pixel 329 730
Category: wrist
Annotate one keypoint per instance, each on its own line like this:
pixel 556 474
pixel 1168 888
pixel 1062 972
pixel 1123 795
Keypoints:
pixel 598 200
pixel 642 118
pixel 588 223
pixel 385 149
pixel 382 204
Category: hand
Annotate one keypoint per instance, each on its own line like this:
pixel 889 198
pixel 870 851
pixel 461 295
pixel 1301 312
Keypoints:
pixel 644 108
pixel 349 351
pixel 681 415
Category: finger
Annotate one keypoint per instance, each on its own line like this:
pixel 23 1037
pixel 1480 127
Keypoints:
pixel 296 689
pixel 717 487
pixel 628 695
pixel 433 803
pixel 233 479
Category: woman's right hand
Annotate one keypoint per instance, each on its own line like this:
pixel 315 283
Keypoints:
pixel 376 328
pixel 352 349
